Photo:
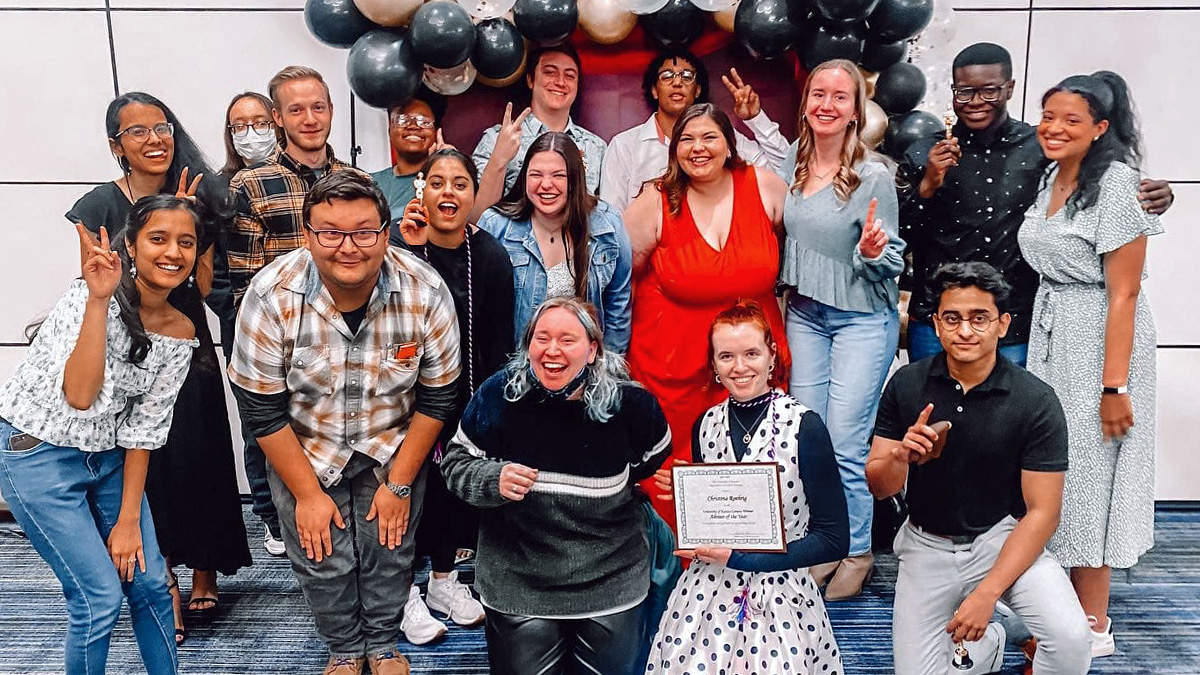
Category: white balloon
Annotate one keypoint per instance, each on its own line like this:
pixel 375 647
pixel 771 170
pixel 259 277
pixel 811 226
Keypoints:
pixel 450 81
pixel 940 32
pixel 643 6
pixel 714 5
pixel 487 9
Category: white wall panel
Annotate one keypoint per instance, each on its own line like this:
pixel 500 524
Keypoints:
pixel 371 133
pixel 1104 4
pixel 1172 258
pixel 206 4
pixel 53 4
pixel 990 4
pixel 1155 51
pixel 1007 29
pixel 1178 462
pixel 58 62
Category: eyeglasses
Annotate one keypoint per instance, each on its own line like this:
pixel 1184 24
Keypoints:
pixel 989 94
pixel 686 76
pixel 335 238
pixel 978 322
pixel 404 120
pixel 141 134
pixel 240 129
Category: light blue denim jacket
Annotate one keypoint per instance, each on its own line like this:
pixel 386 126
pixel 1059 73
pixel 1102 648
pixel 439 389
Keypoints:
pixel 609 271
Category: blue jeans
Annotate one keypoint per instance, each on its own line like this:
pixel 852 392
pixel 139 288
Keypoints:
pixel 840 360
pixel 923 342
pixel 67 502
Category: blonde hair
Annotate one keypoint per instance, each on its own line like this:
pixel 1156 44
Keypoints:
pixel 290 74
pixel 846 181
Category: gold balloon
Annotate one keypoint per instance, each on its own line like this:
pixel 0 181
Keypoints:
pixel 511 79
pixel 605 21
pixel 724 18
pixel 871 79
pixel 388 12
pixel 874 126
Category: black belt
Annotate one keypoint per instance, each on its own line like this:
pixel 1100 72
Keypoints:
pixel 956 539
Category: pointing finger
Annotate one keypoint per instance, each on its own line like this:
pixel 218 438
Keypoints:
pixel 871 210
pixel 923 418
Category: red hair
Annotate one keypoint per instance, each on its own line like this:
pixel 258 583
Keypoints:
pixel 746 311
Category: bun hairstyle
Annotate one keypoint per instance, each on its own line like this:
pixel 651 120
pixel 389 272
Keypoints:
pixel 1107 96
pixel 746 311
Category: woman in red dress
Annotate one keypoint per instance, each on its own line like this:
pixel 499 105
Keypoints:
pixel 704 235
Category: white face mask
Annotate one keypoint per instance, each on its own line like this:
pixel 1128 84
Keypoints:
pixel 253 147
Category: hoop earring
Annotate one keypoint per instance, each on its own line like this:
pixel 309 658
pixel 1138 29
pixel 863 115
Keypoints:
pixel 716 378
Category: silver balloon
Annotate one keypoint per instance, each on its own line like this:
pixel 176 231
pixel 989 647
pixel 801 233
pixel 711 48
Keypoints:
pixel 450 81
pixel 487 9
pixel 643 6
pixel 714 5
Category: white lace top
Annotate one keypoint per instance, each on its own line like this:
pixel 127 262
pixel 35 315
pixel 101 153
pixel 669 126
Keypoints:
pixel 559 281
pixel 135 403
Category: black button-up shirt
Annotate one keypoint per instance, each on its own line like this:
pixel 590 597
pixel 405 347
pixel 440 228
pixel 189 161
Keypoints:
pixel 976 213
pixel 1010 422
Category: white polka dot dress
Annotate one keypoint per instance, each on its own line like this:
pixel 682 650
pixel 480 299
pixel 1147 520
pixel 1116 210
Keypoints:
pixel 1108 499
pixel 784 628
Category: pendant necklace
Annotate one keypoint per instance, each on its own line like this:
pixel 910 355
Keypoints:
pixel 749 431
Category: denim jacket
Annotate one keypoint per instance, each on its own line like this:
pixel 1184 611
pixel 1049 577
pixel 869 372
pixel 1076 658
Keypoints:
pixel 609 271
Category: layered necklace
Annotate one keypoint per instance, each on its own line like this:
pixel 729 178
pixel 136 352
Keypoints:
pixel 748 431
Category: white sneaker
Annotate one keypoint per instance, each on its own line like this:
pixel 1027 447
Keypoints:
pixel 1103 643
pixel 271 544
pixel 418 624
pixel 452 597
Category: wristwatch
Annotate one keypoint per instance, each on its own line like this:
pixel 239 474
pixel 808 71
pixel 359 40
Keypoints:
pixel 1123 389
pixel 401 491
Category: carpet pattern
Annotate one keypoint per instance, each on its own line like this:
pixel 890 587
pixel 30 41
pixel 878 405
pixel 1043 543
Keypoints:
pixel 264 627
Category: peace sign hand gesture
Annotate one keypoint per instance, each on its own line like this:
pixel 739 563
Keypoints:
pixel 101 268
pixel 873 239
pixel 185 191
pixel 745 102
pixel 508 143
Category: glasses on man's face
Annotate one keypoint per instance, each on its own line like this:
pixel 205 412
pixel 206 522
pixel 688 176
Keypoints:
pixel 978 322
pixel 404 120
pixel 240 129
pixel 141 134
pixel 685 76
pixel 990 93
pixel 335 238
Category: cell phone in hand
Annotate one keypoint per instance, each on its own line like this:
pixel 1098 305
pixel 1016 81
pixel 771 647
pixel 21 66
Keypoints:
pixel 942 429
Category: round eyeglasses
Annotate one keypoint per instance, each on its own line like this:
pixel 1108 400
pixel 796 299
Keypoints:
pixel 240 129
pixel 335 238
pixel 978 322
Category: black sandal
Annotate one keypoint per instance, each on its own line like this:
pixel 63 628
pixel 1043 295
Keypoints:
pixel 176 607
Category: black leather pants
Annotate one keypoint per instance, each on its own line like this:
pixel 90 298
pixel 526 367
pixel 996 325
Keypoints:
pixel 604 645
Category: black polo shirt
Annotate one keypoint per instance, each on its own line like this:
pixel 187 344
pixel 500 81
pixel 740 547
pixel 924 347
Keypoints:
pixel 1010 422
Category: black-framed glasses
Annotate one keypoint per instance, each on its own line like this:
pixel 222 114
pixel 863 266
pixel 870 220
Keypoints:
pixel 685 76
pixel 141 134
pixel 335 238
pixel 240 129
pixel 990 93
pixel 404 120
pixel 978 322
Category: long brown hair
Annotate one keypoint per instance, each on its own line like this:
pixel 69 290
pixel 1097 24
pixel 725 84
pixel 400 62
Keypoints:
pixel 233 161
pixel 580 203
pixel 846 181
pixel 674 183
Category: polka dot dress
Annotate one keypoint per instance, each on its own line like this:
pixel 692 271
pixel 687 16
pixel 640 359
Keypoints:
pixel 1108 498
pixel 785 628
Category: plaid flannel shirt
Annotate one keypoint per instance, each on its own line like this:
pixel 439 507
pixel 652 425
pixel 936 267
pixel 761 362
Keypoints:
pixel 268 220
pixel 349 392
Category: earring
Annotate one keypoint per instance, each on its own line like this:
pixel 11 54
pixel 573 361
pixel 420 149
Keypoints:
pixel 716 378
pixel 1095 139
pixel 191 281
pixel 771 369
pixel 132 271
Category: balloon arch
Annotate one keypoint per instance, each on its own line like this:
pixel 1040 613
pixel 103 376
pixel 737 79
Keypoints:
pixel 395 45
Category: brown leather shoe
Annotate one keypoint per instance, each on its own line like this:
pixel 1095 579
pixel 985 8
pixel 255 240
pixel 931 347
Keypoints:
pixel 821 573
pixel 851 576
pixel 340 665
pixel 388 663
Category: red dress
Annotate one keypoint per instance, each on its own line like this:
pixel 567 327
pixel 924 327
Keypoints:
pixel 684 286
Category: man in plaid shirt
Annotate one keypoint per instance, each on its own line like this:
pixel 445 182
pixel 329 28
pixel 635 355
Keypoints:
pixel 344 369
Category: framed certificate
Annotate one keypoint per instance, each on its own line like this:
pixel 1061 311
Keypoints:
pixel 729 505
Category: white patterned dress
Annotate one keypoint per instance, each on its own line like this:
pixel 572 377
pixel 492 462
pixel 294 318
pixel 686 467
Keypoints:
pixel 1108 500
pixel 785 628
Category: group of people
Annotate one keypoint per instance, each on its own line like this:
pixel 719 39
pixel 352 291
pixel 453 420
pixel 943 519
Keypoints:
pixel 484 355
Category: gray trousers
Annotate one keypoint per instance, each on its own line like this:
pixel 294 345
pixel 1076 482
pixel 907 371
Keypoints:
pixel 357 595
pixel 936 575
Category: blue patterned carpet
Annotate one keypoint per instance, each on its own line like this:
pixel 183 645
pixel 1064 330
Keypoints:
pixel 264 627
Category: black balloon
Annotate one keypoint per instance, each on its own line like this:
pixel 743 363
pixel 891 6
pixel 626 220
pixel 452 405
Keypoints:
pixel 337 23
pixel 499 49
pixel 845 10
pixel 879 56
pixel 382 69
pixel 904 129
pixel 546 21
pixel 442 34
pixel 766 28
pixel 900 19
pixel 676 25
pixel 842 41
pixel 900 88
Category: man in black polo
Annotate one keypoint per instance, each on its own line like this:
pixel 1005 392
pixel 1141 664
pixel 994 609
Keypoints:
pixel 983 506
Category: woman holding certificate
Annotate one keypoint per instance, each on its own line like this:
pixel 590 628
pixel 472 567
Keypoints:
pixel 749 612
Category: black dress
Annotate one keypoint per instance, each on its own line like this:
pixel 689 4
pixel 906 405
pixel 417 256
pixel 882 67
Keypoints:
pixel 192 481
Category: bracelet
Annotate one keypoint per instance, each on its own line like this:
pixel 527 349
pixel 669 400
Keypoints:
pixel 1123 389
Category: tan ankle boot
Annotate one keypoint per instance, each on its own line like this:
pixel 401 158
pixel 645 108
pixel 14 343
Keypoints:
pixel 344 666
pixel 821 573
pixel 388 663
pixel 851 576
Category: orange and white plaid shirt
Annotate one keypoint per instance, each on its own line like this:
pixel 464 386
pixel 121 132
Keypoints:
pixel 349 392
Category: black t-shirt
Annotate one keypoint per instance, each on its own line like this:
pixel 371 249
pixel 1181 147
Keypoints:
pixel 1010 422
pixel 105 205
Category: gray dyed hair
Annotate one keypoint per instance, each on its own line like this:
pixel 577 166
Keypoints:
pixel 605 376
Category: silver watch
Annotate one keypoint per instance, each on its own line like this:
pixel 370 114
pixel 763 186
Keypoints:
pixel 401 491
